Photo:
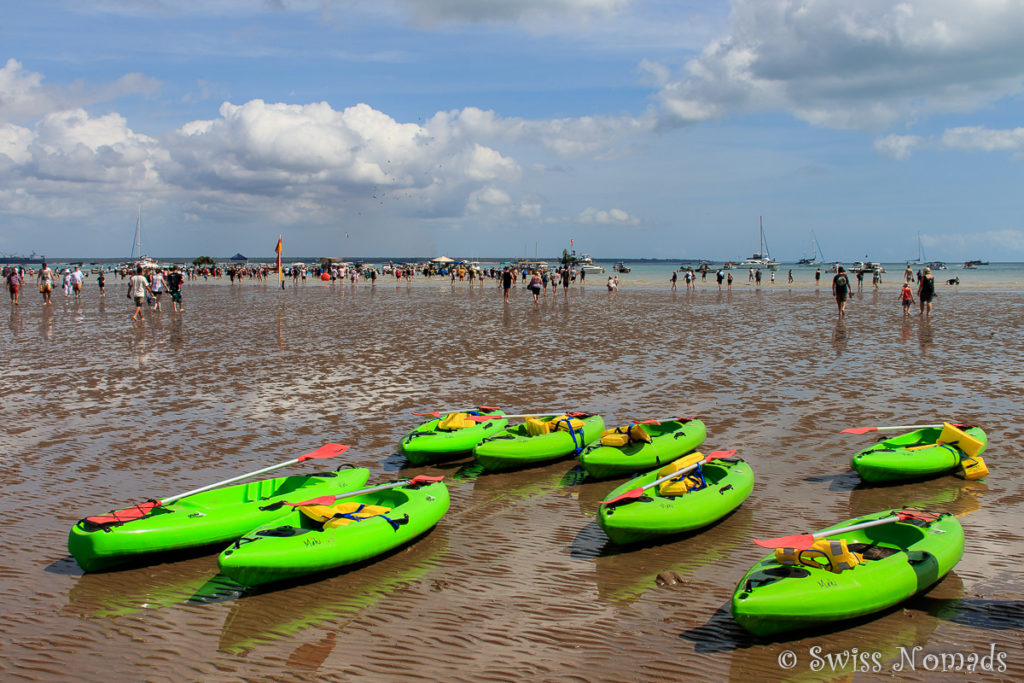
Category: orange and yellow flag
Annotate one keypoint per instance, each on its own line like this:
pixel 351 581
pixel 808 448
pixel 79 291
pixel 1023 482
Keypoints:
pixel 279 249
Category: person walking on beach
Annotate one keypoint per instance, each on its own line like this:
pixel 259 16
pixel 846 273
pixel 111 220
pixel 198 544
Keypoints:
pixel 156 286
pixel 750 275
pixel 506 282
pixel 817 277
pixel 566 276
pixel 906 297
pixel 757 278
pixel 790 278
pixel 675 276
pixel 45 281
pixel 76 282
pixel 841 290
pixel 534 286
pixel 729 281
pixel 720 276
pixel 138 288
pixel 101 282
pixel 771 277
pixel 926 292
pixel 14 282
pixel 908 274
pixel 174 280
pixel 66 283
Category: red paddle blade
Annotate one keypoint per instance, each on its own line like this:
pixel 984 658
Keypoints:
pixel 632 494
pixel 913 513
pixel 798 541
pixel 859 430
pixel 717 455
pixel 483 418
pixel 326 451
pixel 433 414
pixel 125 515
pixel 490 407
pixel 423 479
pixel 322 500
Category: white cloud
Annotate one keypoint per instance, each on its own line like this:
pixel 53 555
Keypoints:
pixel 965 138
pixel 591 215
pixel 984 139
pixel 23 96
pixel 862 65
pixel 898 146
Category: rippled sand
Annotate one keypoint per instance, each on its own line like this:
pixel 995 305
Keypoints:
pixel 517 582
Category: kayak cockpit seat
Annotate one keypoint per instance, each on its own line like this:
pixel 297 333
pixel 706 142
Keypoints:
pixel 623 436
pixel 872 551
pixel 343 514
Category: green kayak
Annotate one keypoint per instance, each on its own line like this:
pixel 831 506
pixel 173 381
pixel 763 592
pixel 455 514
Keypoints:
pixel 517 447
pixel 215 516
pixel 440 439
pixel 320 538
pixel 918 455
pixel 893 561
pixel 668 440
pixel 718 487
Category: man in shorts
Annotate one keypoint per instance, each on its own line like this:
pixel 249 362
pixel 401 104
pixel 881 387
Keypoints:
pixel 138 288
pixel 45 280
pixel 841 290
pixel 14 282
pixel 76 282
pixel 174 279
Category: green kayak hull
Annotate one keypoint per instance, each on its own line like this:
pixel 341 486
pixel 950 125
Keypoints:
pixel 773 598
pixel 427 444
pixel 889 460
pixel 295 546
pixel 217 516
pixel 653 516
pixel 514 448
pixel 669 440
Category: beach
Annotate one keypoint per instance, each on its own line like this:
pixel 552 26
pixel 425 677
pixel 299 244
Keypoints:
pixel 517 582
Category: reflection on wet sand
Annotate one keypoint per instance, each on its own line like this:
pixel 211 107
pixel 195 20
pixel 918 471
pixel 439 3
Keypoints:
pixel 98 412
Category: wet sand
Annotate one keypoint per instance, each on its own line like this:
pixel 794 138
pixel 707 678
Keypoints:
pixel 517 582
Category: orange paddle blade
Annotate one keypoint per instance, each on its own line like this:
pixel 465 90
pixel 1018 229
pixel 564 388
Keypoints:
pixel 326 451
pixel 859 430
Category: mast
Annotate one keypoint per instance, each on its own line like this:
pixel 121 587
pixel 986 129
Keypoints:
pixel 764 244
pixel 820 255
pixel 138 236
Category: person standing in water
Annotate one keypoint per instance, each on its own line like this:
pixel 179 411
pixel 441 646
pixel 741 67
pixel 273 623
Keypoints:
pixel 841 290
pixel 906 297
pixel 45 280
pixel 926 292
pixel 817 277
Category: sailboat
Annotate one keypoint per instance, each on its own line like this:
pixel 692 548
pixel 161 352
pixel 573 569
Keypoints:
pixel 762 258
pixel 816 255
pixel 919 261
pixel 141 259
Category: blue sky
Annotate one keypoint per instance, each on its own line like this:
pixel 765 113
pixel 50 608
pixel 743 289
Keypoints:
pixel 508 127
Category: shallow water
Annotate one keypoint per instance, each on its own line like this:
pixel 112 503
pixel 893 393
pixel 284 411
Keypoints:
pixel 517 582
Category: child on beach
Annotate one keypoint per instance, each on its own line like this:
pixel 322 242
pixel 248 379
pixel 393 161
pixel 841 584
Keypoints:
pixel 907 297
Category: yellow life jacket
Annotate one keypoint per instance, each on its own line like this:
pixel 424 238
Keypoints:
pixel 567 424
pixel 973 468
pixel 331 515
pixel 623 436
pixel 639 434
pixel 536 426
pixel 955 436
pixel 679 486
pixel 454 421
pixel 831 554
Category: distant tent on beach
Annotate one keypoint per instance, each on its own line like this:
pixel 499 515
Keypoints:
pixel 442 259
pixel 238 257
